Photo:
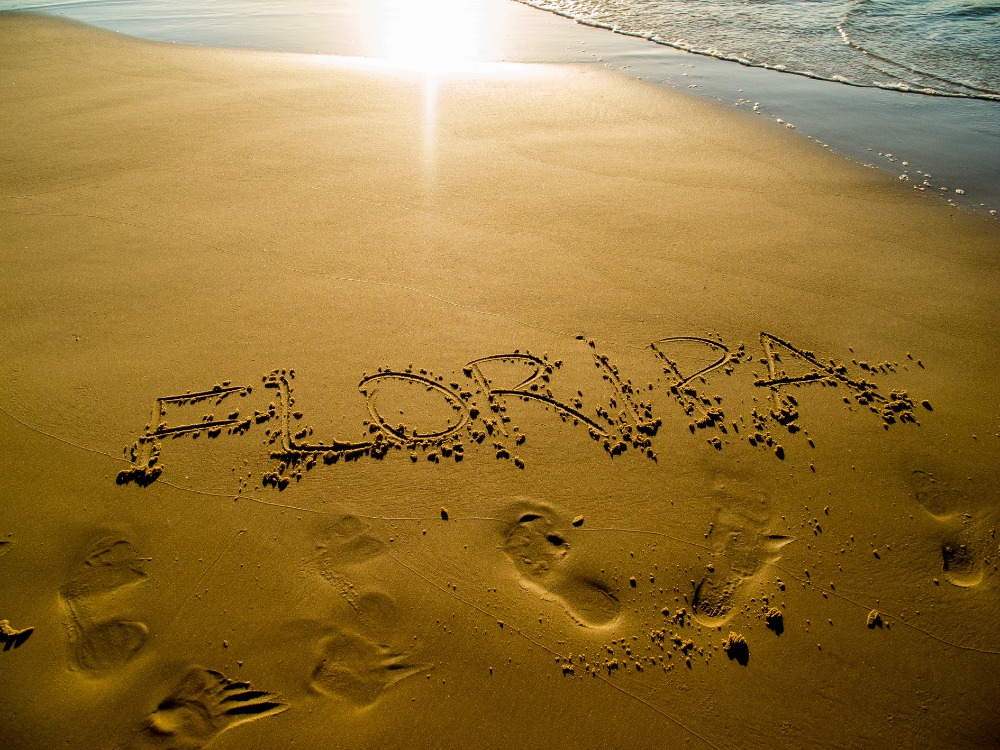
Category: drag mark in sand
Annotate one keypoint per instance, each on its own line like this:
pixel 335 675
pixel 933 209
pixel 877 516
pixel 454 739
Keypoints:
pixel 57 438
pixel 203 705
pixel 203 576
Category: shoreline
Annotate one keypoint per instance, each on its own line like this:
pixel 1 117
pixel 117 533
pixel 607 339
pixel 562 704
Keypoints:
pixel 944 146
pixel 976 94
pixel 368 404
pixel 948 146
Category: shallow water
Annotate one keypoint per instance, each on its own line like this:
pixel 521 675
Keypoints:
pixel 946 47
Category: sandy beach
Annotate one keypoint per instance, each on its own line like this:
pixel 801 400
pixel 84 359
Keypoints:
pixel 520 406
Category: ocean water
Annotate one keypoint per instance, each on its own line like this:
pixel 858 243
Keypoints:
pixel 943 47
pixel 911 87
pixel 933 47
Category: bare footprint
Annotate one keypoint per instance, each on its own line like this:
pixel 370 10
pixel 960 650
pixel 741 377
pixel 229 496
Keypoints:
pixel 960 562
pixel 378 613
pixel 961 565
pixel 534 542
pixel 358 669
pixel 204 704
pixel 940 500
pixel 347 542
pixel 354 654
pixel 741 547
pixel 110 644
pixel 101 638
pixel 342 545
pixel 111 564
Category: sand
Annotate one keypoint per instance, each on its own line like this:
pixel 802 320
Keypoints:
pixel 531 408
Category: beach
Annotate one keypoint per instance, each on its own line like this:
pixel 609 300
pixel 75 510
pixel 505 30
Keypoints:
pixel 347 405
pixel 945 144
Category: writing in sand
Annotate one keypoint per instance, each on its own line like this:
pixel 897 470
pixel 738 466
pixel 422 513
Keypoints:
pixel 475 406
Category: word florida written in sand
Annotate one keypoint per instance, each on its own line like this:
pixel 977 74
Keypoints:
pixel 475 407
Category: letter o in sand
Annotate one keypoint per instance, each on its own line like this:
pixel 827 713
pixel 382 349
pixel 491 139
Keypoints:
pixel 369 387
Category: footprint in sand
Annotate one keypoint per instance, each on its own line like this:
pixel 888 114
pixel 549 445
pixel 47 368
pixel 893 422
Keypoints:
pixel 346 542
pixel 101 637
pixel 960 562
pixel 356 664
pixel 941 501
pixel 204 704
pixel 343 544
pixel 741 547
pixel 358 669
pixel 534 541
pixel 962 566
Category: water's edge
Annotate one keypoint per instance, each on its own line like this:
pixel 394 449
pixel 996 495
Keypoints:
pixel 945 147
pixel 967 93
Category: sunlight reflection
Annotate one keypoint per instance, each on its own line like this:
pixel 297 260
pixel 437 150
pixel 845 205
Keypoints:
pixel 430 36
pixel 436 40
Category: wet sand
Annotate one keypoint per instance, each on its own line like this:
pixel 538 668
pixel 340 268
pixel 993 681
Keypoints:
pixel 535 408
pixel 937 145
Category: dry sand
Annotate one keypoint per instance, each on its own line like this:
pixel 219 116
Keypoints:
pixel 535 408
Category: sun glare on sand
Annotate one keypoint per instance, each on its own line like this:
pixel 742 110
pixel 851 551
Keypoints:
pixel 430 36
pixel 434 39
